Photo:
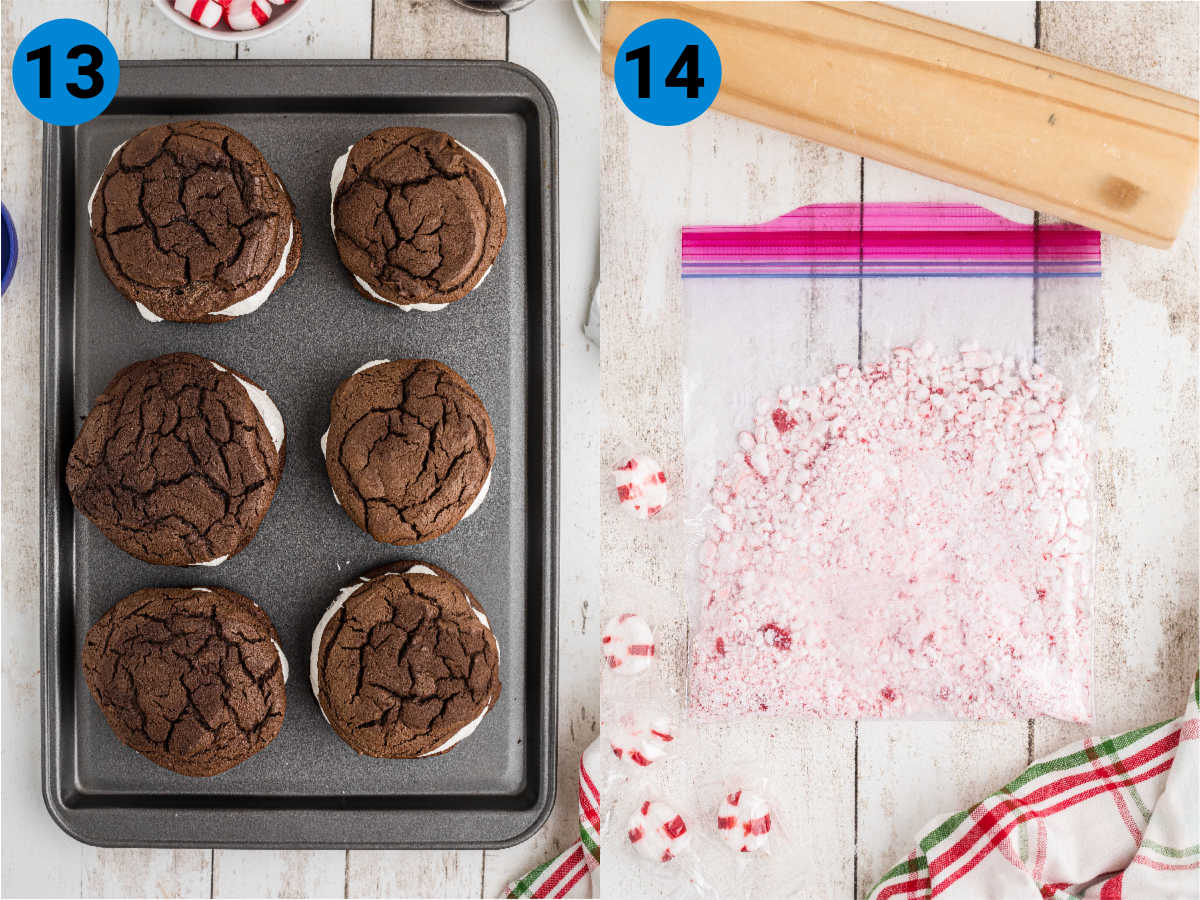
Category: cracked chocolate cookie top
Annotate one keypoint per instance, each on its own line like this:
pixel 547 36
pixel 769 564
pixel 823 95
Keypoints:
pixel 404 662
pixel 191 678
pixel 190 223
pixel 178 460
pixel 409 449
pixel 417 218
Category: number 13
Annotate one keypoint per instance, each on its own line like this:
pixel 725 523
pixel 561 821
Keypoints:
pixel 95 85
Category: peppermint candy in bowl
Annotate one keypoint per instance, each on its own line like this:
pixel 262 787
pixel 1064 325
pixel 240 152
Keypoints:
pixel 744 821
pixel 231 20
pixel 628 644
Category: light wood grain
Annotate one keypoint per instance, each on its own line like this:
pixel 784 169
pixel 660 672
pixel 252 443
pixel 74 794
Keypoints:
pixel 963 107
pixel 437 29
pixel 1145 626
pixel 279 873
pixel 146 873
pixel 139 32
pixel 330 30
pixel 414 873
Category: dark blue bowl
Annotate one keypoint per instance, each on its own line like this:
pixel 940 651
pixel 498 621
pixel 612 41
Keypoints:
pixel 10 248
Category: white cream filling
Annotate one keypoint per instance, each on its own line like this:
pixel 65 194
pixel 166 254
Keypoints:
pixel 92 198
pixel 478 501
pixel 249 304
pixel 265 405
pixel 459 735
pixel 211 562
pixel 331 611
pixel 259 297
pixel 487 165
pixel 372 364
pixel 319 631
pixel 207 591
pixel 282 660
pixel 146 314
pixel 335 181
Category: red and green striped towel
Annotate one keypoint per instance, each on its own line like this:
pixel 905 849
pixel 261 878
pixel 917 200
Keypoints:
pixel 1114 819
pixel 563 876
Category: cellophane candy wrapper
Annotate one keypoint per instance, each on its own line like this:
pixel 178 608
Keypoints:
pixel 888 464
pixel 662 838
pixel 641 485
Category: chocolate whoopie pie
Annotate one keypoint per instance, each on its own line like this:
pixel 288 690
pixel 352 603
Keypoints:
pixel 404 662
pixel 178 460
pixel 191 224
pixel 409 449
pixel 418 219
pixel 191 678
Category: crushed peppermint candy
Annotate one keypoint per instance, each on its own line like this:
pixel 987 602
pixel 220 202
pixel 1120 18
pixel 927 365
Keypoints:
pixel 909 539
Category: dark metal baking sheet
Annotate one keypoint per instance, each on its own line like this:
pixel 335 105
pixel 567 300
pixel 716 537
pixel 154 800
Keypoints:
pixel 308 789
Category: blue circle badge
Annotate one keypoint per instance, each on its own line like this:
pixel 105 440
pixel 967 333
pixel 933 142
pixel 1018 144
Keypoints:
pixel 667 72
pixel 65 72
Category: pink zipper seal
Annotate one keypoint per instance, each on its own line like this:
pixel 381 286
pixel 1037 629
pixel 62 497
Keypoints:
pixel 891 240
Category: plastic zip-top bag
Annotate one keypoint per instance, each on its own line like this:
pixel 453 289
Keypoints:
pixel 888 464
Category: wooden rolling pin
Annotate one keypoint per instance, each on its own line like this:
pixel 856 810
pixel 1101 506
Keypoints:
pixel 960 106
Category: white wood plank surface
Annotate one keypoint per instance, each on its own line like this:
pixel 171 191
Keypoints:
pixel 411 873
pixel 432 29
pixel 331 30
pixel 278 873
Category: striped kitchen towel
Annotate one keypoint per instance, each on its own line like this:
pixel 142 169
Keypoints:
pixel 1111 819
pixel 563 876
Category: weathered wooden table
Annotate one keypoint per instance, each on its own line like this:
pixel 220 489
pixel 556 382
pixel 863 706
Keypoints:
pixel 874 783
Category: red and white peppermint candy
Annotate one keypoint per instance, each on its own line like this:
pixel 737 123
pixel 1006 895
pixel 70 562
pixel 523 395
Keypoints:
pixel 243 15
pixel 641 486
pixel 628 644
pixel 744 821
pixel 204 12
pixel 642 741
pixel 658 832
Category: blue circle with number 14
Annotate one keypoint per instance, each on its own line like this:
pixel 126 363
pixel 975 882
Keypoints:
pixel 667 72
pixel 65 72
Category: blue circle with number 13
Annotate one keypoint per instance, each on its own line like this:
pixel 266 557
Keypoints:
pixel 667 72
pixel 65 72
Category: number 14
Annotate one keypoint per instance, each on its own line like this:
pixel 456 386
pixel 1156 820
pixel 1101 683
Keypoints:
pixel 687 63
